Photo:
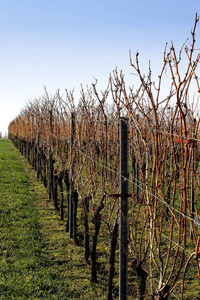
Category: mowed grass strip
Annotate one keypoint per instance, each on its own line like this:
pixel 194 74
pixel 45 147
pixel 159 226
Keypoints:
pixel 37 258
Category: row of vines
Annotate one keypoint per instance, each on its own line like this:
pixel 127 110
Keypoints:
pixel 75 151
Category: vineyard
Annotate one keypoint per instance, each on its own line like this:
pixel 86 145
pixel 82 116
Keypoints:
pixel 123 166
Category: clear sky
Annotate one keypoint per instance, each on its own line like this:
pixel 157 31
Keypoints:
pixel 62 44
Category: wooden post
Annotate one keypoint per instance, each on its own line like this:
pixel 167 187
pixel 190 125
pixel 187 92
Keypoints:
pixel 67 184
pixel 60 183
pixel 137 164
pixel 71 177
pixel 123 254
pixel 37 159
pixel 193 181
pixel 97 225
pixel 50 158
pixel 55 189
pixel 113 243
pixel 75 206
pixel 32 142
pixel 86 224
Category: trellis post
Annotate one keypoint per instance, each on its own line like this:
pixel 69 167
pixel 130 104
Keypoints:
pixel 71 177
pixel 37 158
pixel 193 179
pixel 50 156
pixel 123 253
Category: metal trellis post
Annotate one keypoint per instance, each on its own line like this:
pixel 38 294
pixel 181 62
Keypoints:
pixel 123 256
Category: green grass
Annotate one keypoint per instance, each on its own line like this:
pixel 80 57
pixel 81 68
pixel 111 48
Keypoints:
pixel 37 258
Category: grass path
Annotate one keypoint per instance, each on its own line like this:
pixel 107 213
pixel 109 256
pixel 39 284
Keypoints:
pixel 37 258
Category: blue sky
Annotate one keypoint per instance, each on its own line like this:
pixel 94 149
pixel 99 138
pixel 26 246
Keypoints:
pixel 62 44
